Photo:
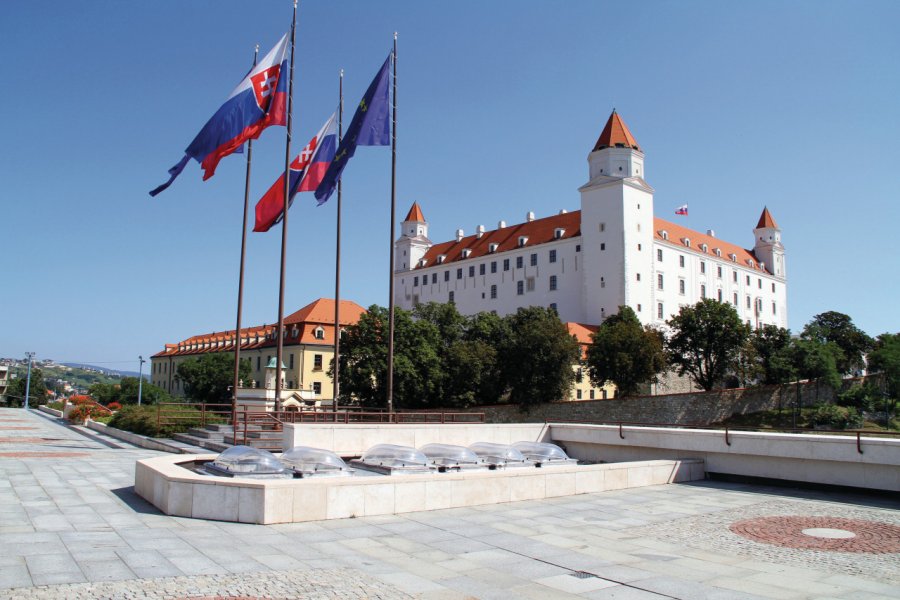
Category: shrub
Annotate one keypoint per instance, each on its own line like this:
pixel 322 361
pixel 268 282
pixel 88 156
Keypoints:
pixel 86 411
pixel 830 416
pixel 56 405
pixel 114 406
pixel 143 420
pixel 80 400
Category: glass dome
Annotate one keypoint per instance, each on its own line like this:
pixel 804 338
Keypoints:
pixel 497 453
pixel 304 459
pixel 391 455
pixel 449 455
pixel 541 451
pixel 247 460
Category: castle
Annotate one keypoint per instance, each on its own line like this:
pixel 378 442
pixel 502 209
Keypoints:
pixel 587 263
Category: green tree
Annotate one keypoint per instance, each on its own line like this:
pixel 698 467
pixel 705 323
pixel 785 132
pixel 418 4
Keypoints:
pixel 705 341
pixel 817 361
pixel 15 392
pixel 774 349
pixel 537 356
pixel 885 359
pixel 209 377
pixel 151 394
pixel 839 329
pixel 625 353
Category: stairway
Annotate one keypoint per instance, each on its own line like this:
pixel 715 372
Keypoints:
pixel 220 437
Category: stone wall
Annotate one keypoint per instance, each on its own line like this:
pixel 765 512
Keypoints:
pixel 693 408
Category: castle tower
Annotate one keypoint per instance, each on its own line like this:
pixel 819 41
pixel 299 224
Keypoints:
pixel 413 242
pixel 768 248
pixel 616 227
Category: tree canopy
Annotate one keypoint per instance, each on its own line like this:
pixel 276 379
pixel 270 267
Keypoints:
pixel 838 328
pixel 209 377
pixel 625 353
pixel 705 341
pixel 126 392
pixel 15 391
pixel 773 348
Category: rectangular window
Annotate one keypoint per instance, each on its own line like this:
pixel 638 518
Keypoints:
pixel 471 270
pixel 592 393
pixel 493 292
pixel 434 278
pixel 734 276
pixel 659 310
pixel 553 306
pixel 773 288
pixel 416 281
pixel 520 262
pixel 659 281
pixel 748 280
pixel 702 266
pixel 451 297
pixel 748 301
pixel 638 276
pixel 534 260
pixel 577 247
pixel 602 246
pixel 639 247
pixel 578 394
pixel 317 388
pixel 719 272
pixel 602 226
pixel 553 256
pixel 720 295
pixel 681 260
pixel 759 283
pixel 291 359
pixel 481 268
pixel 529 284
pixel 317 362
pixel 735 298
pixel 459 273
pixel 446 275
pixel 520 287
pixel 493 266
pixel 703 291
pixel 681 286
pixel 773 308
pixel 506 264
pixel 552 283
pixel 659 254
pixel 257 362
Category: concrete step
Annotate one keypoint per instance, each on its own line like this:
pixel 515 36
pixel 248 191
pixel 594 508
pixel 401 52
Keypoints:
pixel 187 438
pixel 226 428
pixel 206 434
pixel 267 443
pixel 185 448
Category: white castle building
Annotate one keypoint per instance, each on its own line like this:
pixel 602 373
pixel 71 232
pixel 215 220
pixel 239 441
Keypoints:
pixel 587 263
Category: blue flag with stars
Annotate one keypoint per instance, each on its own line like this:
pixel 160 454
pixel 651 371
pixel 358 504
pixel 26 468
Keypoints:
pixel 371 126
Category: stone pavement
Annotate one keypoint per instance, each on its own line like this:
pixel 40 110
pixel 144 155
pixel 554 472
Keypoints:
pixel 72 527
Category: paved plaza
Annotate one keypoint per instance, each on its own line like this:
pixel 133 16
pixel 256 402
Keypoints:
pixel 72 527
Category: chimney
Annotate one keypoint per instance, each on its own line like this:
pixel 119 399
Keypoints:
pixel 501 224
pixel 530 216
pixel 460 234
pixel 710 233
pixel 480 231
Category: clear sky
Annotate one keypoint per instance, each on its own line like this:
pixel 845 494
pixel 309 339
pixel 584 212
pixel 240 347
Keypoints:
pixel 790 105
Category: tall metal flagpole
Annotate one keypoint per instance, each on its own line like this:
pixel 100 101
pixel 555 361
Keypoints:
pixel 240 302
pixel 390 365
pixel 284 218
pixel 337 259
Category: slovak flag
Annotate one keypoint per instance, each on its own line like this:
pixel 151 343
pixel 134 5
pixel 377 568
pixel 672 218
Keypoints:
pixel 307 171
pixel 681 210
pixel 260 100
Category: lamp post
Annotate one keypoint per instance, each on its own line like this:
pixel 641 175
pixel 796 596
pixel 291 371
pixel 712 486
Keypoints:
pixel 30 355
pixel 141 362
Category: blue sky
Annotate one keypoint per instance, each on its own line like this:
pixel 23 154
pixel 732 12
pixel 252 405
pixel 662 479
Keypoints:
pixel 736 105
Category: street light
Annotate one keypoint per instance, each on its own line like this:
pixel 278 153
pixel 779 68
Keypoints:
pixel 30 355
pixel 140 377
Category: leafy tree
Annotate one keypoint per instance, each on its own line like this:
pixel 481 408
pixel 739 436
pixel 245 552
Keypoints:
pixel 746 369
pixel 209 377
pixel 839 329
pixel 151 394
pixel 625 353
pixel 885 359
pixel 537 356
pixel 774 349
pixel 15 392
pixel 706 339
pixel 483 330
pixel 818 361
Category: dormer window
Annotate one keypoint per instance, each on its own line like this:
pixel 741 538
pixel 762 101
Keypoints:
pixel 704 247
pixel 523 239
pixel 664 234
pixel 423 262
pixel 718 252
pixel 441 258
pixel 733 257
pixel 466 252
pixel 319 333
pixel 559 232
pixel 750 262
pixel 687 242
pixel 493 247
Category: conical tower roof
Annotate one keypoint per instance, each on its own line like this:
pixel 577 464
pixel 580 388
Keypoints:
pixel 766 220
pixel 616 135
pixel 415 213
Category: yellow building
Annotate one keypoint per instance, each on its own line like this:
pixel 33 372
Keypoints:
pixel 583 389
pixel 307 352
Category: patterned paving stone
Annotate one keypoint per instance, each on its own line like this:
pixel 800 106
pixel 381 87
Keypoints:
pixel 822 533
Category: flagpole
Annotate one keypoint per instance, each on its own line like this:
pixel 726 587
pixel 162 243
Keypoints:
pixel 337 259
pixel 390 365
pixel 284 218
pixel 240 302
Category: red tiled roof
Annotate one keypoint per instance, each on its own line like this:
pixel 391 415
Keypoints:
pixel 616 134
pixel 581 331
pixel 539 231
pixel 766 220
pixel 415 213
pixel 322 311
pixel 677 235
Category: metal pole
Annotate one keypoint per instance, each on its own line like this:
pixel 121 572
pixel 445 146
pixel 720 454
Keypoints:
pixel 240 302
pixel 141 362
pixel 337 260
pixel 284 218
pixel 390 365
pixel 30 355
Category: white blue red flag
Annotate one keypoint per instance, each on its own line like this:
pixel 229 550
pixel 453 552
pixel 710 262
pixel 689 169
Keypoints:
pixel 307 171
pixel 260 100
pixel 681 210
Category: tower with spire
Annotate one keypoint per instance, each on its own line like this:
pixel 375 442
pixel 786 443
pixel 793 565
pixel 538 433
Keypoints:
pixel 413 243
pixel 767 247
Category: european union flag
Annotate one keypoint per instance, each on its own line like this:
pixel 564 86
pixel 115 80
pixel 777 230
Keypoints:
pixel 371 126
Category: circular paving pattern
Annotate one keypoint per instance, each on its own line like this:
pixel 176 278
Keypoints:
pixel 821 533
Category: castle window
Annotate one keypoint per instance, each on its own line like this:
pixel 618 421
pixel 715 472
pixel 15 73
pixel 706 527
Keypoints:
pixel 603 285
pixel 718 252
pixel 472 271
pixel 719 272
pixel 434 278
pixel 459 273
pixel 748 280
pixel 452 295
pixel 578 394
pixel 664 234
pixel 639 247
pixel 703 266
pixel 720 294
pixel 529 284
pixel 748 301
pixel 291 358
pixel 602 227
pixel 558 232
pixel 602 246
pixel 703 291
pixel 687 242
pixel 520 287
pixel 733 257
pixel 493 266
pixel 639 308
pixel 659 310
pixel 317 388
pixel 681 286
pixel 681 260
pixel 553 256
pixel 759 283
pixel 659 254
pixel 446 275
pixel 552 283
pixel 534 260
pixel 523 240
pixel 553 306
pixel 773 287
pixel 734 276
pixel 773 308
pixel 703 247
pixel 481 268
pixel 506 264
pixel 735 298
pixel 257 362
pixel 441 258
pixel 638 276
pixel 591 391
pixel 577 247
pixel 493 247
pixel 493 292
pixel 416 281
pixel 659 281
pixel 520 262
pixel 320 333
pixel 317 362
pixel 466 252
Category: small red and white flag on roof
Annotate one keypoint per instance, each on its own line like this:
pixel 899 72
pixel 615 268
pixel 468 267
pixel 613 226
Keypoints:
pixel 681 210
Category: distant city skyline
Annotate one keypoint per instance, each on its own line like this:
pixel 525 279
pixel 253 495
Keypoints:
pixel 790 106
